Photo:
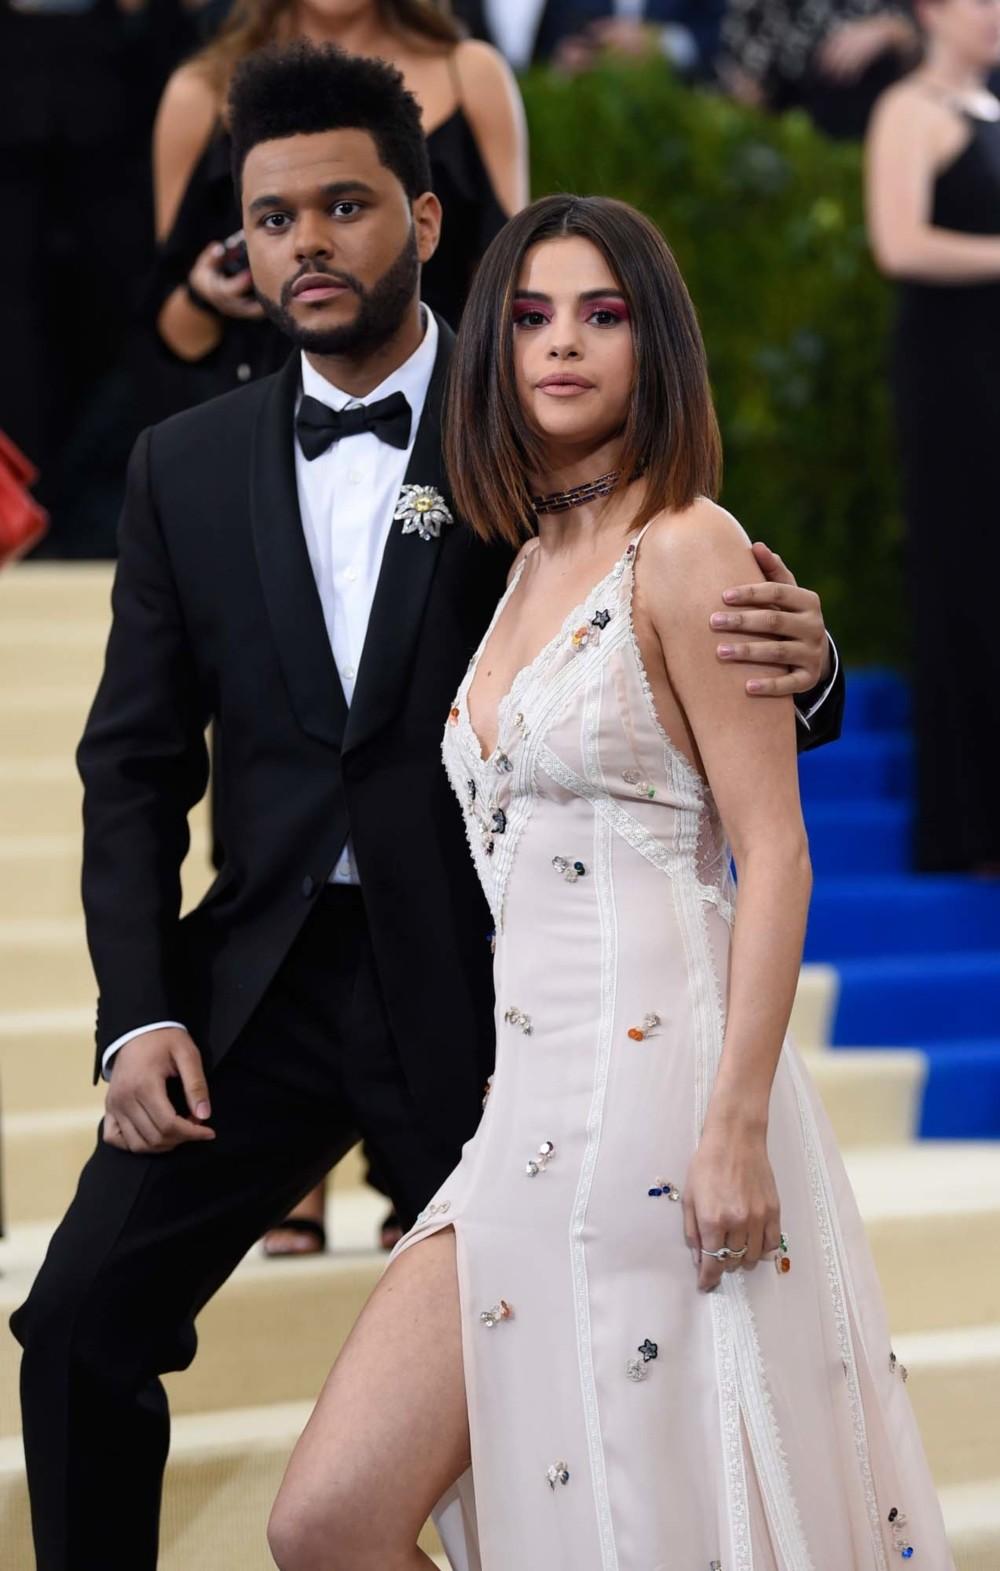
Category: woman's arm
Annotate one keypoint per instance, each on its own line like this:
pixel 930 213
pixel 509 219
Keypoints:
pixel 911 139
pixel 748 753
pixel 492 101
pixel 186 117
pixel 188 111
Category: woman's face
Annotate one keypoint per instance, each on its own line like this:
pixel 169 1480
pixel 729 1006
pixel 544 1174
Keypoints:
pixel 574 356
pixel 969 27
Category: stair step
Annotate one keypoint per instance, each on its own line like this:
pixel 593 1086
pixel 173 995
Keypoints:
pixel 38 722
pixel 913 1000
pixel 45 1059
pixel 972 1518
pixel 851 836
pixel 962 1096
pixel 866 765
pixel 877 700
pixel 40 873
pixel 954 1386
pixel 53 590
pixel 861 918
pixel 44 652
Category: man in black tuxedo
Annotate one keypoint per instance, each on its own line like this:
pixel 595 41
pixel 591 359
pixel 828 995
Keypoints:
pixel 336 980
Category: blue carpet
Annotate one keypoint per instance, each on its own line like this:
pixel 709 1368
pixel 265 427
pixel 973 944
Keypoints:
pixel 918 955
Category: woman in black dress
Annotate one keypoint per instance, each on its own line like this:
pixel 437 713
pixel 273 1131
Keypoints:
pixel 211 335
pixel 934 220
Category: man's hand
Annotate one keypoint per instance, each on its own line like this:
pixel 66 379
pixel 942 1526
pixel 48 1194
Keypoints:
pixel 777 624
pixel 138 1114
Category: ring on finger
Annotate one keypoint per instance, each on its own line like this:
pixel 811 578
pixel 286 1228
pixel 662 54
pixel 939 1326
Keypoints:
pixel 725 1253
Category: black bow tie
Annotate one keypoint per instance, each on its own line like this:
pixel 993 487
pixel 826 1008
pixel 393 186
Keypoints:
pixel 318 426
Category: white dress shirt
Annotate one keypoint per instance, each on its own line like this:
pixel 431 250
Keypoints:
pixel 347 497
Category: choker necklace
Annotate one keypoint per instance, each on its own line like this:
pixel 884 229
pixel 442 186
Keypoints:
pixel 562 501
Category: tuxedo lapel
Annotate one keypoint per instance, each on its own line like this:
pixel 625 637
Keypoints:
pixel 286 575
pixel 408 566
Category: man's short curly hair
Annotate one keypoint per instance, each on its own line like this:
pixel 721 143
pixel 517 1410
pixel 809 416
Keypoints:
pixel 299 88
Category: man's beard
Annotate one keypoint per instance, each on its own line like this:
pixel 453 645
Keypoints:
pixel 380 315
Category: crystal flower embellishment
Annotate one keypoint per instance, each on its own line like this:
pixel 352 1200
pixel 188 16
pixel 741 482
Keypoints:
pixel 423 511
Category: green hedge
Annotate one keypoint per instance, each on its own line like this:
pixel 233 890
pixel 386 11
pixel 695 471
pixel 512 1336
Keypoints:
pixel 765 216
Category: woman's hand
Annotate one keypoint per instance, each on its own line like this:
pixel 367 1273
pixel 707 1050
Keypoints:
pixel 229 296
pixel 731 1199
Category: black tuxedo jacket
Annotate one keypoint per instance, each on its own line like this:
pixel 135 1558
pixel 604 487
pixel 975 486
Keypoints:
pixel 217 618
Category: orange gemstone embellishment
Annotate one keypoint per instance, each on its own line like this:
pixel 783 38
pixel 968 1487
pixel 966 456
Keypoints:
pixel 453 716
pixel 784 1264
pixel 640 1033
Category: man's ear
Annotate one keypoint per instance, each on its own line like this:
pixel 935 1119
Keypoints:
pixel 427 224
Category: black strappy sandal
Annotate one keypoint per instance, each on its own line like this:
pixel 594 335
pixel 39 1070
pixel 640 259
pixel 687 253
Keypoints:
pixel 297 1224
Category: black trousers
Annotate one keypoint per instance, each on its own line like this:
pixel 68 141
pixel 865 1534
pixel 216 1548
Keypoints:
pixel 148 1240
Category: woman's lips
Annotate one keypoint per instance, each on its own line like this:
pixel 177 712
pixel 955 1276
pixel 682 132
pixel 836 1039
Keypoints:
pixel 565 387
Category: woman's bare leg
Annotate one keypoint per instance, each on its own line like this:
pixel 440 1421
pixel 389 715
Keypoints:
pixel 390 1432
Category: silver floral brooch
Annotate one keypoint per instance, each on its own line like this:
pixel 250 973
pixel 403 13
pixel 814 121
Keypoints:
pixel 423 511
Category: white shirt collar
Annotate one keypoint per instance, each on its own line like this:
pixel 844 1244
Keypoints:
pixel 412 378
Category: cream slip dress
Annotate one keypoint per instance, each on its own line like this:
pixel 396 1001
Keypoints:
pixel 621 1420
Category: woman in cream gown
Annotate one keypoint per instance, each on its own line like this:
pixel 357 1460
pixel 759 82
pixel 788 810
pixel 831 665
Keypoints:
pixel 639 1327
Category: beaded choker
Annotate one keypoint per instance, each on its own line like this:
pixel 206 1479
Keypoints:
pixel 562 501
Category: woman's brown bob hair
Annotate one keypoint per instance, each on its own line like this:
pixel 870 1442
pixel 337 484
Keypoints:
pixel 670 436
pixel 253 23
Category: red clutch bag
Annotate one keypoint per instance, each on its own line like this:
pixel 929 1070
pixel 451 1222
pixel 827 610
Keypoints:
pixel 22 521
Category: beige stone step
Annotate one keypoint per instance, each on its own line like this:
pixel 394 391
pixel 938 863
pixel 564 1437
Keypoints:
pixel 40 873
pixel 42 652
pixel 814 1007
pixel 873 1096
pixel 44 964
pixel 954 1384
pixel 972 1517
pixel 930 1259
pixel 39 796
pixel 45 1060
pixel 54 590
pixel 43 722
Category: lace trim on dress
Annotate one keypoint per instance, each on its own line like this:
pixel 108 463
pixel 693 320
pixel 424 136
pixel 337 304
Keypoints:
pixel 607 912
pixel 630 830
pixel 819 1183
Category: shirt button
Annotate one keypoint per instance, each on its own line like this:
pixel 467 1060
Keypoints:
pixel 349 673
pixel 243 372
pixel 351 575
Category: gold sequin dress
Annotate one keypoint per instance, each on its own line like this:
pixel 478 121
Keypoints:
pixel 621 1420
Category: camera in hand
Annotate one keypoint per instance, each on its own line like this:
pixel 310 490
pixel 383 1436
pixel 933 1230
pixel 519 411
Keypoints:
pixel 234 257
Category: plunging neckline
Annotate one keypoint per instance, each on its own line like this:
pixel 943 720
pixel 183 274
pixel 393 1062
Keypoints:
pixel 522 674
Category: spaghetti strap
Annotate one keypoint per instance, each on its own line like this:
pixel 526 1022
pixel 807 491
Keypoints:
pixel 456 80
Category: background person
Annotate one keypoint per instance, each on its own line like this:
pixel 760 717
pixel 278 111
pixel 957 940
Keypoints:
pixel 934 220
pixel 831 58
pixel 202 302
